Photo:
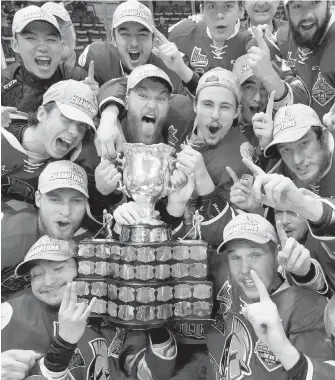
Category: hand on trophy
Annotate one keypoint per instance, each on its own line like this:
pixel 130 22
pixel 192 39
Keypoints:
pixel 178 198
pixel 131 213
pixel 106 177
pixel 191 161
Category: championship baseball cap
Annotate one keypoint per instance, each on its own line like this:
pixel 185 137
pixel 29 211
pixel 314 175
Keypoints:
pixel 134 11
pixel 147 71
pixel 222 78
pixel 58 10
pixel 25 16
pixel 75 100
pixel 242 70
pixel 63 174
pixel 251 227
pixel 46 248
pixel 290 124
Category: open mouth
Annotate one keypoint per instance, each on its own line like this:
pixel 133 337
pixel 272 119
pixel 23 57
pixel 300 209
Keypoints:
pixel 307 25
pixel 261 11
pixel 63 225
pixel 63 145
pixel 255 110
pixel 134 55
pixel 213 129
pixel 249 283
pixel 43 62
pixel 302 169
pixel 148 124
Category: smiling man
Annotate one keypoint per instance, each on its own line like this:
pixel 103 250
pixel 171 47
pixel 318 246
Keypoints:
pixel 37 39
pixel 308 43
pixel 250 245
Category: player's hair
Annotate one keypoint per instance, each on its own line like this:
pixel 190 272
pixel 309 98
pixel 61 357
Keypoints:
pixel 240 3
pixel 161 81
pixel 318 131
pixel 32 116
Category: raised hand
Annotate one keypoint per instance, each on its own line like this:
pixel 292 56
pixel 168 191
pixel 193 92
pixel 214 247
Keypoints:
pixel 90 81
pixel 15 364
pixel 329 119
pixel 280 192
pixel 106 177
pixel 241 193
pixel 168 52
pixel 264 317
pixel 263 124
pixel 131 213
pixel 293 257
pixel 72 316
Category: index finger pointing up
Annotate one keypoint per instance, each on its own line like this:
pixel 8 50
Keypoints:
pixel 281 233
pixel 91 70
pixel 254 168
pixel 269 107
pixel 160 36
pixel 233 175
pixel 259 38
pixel 262 291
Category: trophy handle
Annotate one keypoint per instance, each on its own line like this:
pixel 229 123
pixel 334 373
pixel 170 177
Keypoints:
pixel 120 160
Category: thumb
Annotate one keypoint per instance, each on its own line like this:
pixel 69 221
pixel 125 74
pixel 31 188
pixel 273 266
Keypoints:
pixel 281 233
pixel 91 70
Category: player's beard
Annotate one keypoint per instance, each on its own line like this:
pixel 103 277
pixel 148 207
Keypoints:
pixel 313 41
pixel 133 131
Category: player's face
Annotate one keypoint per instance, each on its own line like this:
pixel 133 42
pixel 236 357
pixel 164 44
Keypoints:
pixel 242 257
pixel 61 212
pixel 305 157
pixel 221 18
pixel 148 106
pixel 308 21
pixel 261 12
pixel 295 226
pixel 49 279
pixel 216 111
pixel 59 134
pixel 134 43
pixel 254 98
pixel 39 46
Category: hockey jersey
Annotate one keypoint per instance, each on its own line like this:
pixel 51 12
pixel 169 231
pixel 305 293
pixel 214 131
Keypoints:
pixel 316 69
pixel 194 41
pixel 23 90
pixel 28 324
pixel 108 64
pixel 235 352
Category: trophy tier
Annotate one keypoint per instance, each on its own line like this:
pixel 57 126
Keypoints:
pixel 143 285
pixel 145 233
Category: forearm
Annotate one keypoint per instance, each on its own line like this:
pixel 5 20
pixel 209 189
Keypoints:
pixel 287 354
pixel 185 73
pixel 273 82
pixel 204 184
pixel 310 208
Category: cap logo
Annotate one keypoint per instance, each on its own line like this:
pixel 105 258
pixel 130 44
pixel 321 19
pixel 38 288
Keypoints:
pixel 35 15
pixel 212 78
pixel 245 68
pixel 84 103
pixel 150 73
pixel 286 121
pixel 43 248
pixel 139 12
pixel 67 175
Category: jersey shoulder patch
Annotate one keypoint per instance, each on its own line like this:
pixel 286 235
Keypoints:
pixel 6 314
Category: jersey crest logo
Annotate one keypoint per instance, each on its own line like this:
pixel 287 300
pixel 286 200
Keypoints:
pixel 322 91
pixel 236 354
pixel 98 368
pixel 172 139
pixel 15 187
pixel 117 343
pixel 198 61
pixel 77 360
pixel 267 357
pixel 225 298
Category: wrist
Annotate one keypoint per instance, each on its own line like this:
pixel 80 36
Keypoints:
pixel 185 73
pixel 310 208
pixel 272 82
pixel 287 354
pixel 111 110
pixel 203 183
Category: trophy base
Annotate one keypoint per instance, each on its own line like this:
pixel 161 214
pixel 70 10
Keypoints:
pixel 145 233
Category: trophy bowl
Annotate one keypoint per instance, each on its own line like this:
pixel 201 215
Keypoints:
pixel 146 175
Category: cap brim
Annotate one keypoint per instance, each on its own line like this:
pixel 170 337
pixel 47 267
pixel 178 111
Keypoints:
pixel 24 24
pixel 286 137
pixel 246 235
pixel 133 19
pixel 24 267
pixel 217 84
pixel 53 186
pixel 74 113
pixel 152 76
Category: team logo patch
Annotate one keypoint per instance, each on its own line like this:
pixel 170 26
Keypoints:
pixel 77 360
pixel 291 61
pixel 322 91
pixel 172 139
pixel 117 343
pixel 6 314
pixel 198 60
pixel 99 367
pixel 267 357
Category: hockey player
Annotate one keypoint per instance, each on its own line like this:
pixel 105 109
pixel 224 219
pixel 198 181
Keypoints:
pixel 268 327
pixel 37 38
pixel 308 43
pixel 250 247
pixel 62 201
pixel 50 320
pixel 216 41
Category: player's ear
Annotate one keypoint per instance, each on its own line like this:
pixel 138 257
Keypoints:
pixel 14 45
pixel 113 38
pixel 38 198
pixel 238 111
pixel 41 114
pixel 126 103
pixel 195 105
